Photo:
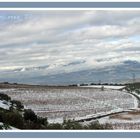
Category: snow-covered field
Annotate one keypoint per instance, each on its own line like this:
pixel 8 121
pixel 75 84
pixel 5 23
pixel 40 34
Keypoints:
pixel 122 121
pixel 127 120
pixel 72 102
pixel 104 86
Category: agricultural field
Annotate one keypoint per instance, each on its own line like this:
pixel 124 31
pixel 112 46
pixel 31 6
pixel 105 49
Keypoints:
pixel 129 120
pixel 58 103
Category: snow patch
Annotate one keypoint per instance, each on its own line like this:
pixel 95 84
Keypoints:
pixel 105 86
pixel 55 120
pixel 4 105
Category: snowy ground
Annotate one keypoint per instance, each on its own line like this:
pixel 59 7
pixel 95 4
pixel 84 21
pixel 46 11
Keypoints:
pixel 127 120
pixel 4 105
pixel 105 86
pixel 72 102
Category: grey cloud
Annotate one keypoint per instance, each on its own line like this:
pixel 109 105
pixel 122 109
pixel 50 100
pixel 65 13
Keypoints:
pixel 63 38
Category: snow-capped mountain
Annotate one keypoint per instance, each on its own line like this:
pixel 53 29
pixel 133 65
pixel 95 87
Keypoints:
pixel 39 75
pixel 30 68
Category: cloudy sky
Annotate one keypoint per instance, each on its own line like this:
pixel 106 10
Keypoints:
pixel 68 41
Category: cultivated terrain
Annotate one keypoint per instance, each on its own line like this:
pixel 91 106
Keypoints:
pixel 115 105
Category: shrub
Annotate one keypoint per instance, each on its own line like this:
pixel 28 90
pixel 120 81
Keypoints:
pixel 96 125
pixel 13 119
pixel 1 116
pixel 6 126
pixel 42 121
pixel 1 128
pixel 4 97
pixel 18 104
pixel 71 125
pixel 55 126
pixel 30 115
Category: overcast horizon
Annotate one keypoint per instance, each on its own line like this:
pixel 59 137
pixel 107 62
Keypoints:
pixel 67 41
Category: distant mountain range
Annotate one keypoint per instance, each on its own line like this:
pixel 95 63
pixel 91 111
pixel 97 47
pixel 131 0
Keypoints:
pixel 31 68
pixel 126 71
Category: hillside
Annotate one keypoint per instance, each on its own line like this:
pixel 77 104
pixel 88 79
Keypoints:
pixel 13 116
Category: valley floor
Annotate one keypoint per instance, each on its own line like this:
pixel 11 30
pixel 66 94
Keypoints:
pixel 79 104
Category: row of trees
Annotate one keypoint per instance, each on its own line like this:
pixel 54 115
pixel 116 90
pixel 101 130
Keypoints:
pixel 109 84
pixel 133 87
